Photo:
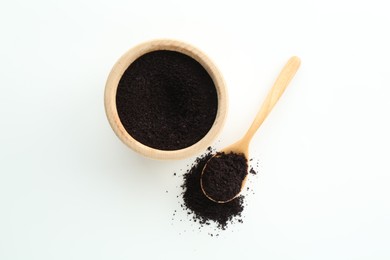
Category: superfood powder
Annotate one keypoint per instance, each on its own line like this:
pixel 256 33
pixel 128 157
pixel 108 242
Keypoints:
pixel 223 175
pixel 166 100
pixel 204 209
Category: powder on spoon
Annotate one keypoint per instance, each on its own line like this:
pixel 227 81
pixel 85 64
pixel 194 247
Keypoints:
pixel 166 100
pixel 223 175
pixel 204 209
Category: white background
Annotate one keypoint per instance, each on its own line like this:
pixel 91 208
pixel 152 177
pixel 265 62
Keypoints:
pixel 69 189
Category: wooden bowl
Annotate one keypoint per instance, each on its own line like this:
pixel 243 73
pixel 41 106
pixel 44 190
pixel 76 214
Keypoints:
pixel 111 89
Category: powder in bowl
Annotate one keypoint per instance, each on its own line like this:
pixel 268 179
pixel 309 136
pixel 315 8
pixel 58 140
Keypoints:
pixel 166 100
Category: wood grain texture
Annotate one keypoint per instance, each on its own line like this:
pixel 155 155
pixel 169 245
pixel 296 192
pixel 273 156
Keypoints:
pixel 111 89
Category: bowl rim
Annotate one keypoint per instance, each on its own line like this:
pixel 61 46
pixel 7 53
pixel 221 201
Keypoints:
pixel 171 45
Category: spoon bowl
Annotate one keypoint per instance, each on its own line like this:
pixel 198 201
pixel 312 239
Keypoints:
pixel 241 147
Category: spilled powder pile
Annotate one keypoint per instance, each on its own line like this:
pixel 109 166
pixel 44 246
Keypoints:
pixel 203 209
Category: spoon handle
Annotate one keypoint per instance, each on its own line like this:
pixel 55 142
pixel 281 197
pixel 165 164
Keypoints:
pixel 273 96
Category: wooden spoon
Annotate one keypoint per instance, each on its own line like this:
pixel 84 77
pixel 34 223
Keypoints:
pixel 242 145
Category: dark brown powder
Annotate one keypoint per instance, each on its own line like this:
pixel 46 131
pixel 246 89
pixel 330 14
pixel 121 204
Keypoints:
pixel 204 209
pixel 223 175
pixel 166 100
